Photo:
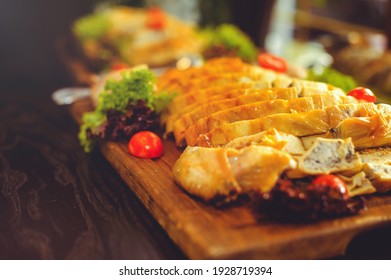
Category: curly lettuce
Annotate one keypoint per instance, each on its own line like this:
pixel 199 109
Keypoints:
pixel 232 38
pixel 331 76
pixel 91 27
pixel 125 106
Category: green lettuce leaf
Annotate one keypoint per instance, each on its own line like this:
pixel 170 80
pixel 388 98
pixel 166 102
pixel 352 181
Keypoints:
pixel 118 96
pixel 92 26
pixel 333 77
pixel 233 38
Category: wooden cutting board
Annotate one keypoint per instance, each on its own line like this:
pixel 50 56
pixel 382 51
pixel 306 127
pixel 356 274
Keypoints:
pixel 206 232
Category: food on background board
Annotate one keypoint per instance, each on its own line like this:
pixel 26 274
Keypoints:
pixel 134 36
pixel 114 36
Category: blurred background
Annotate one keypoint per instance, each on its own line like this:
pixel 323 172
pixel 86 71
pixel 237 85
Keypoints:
pixel 29 29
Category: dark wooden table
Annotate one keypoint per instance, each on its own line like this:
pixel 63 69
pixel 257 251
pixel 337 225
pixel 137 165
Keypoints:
pixel 58 203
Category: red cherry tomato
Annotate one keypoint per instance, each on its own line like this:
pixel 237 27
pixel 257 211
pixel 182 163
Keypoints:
pixel 155 18
pixel 116 66
pixel 362 93
pixel 332 184
pixel 145 144
pixel 272 62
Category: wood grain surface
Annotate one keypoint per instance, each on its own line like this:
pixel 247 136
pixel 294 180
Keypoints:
pixel 205 232
pixel 56 202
